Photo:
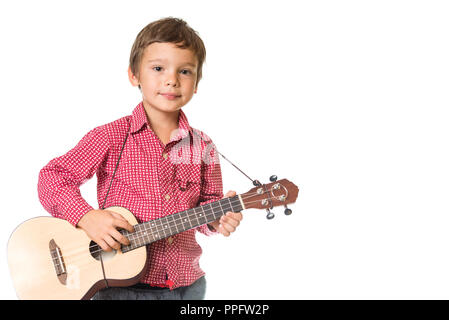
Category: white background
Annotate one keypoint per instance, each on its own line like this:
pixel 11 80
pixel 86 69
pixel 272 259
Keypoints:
pixel 347 99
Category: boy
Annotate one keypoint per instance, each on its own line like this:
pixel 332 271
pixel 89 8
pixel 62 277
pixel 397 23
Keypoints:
pixel 165 63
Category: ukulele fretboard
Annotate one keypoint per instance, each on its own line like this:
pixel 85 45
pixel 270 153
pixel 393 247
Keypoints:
pixel 148 232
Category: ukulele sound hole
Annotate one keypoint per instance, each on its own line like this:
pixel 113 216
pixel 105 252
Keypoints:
pixel 96 252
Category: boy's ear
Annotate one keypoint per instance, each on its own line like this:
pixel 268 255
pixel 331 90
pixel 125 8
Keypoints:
pixel 132 78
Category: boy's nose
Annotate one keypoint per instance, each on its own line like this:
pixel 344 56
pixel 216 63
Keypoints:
pixel 170 82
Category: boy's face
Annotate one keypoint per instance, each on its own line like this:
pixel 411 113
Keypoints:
pixel 167 76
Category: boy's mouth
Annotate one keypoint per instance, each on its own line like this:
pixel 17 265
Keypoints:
pixel 169 96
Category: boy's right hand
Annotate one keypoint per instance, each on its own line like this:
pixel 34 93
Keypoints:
pixel 101 227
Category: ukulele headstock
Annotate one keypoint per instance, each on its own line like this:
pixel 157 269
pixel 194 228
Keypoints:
pixel 268 196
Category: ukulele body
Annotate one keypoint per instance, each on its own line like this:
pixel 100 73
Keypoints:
pixel 49 258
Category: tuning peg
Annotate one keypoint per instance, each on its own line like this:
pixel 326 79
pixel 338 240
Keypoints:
pixel 287 211
pixel 273 178
pixel 270 215
pixel 256 183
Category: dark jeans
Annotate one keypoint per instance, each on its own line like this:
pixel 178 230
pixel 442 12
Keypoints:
pixel 196 291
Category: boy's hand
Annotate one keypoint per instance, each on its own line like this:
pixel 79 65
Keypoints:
pixel 101 227
pixel 229 222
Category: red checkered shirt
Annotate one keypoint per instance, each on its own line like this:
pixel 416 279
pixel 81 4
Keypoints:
pixel 153 180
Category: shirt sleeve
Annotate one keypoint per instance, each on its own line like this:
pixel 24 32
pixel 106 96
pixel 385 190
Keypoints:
pixel 59 181
pixel 211 184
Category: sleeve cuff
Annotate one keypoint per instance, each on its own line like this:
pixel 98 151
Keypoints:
pixel 206 230
pixel 77 211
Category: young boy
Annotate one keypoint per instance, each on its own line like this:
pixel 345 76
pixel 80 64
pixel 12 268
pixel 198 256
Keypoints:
pixel 165 63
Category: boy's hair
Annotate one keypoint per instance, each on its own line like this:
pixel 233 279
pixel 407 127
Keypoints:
pixel 173 30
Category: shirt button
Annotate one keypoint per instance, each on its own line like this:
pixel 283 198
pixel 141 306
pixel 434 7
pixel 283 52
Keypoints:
pixel 165 155
pixel 170 240
pixel 167 197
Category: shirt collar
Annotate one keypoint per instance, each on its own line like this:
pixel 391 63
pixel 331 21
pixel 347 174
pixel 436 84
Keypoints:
pixel 139 119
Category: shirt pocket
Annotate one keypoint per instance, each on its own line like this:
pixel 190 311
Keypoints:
pixel 188 189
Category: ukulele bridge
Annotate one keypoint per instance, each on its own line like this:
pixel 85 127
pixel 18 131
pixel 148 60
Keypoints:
pixel 58 262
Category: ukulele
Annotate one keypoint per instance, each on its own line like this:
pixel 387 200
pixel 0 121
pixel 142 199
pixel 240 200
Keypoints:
pixel 51 259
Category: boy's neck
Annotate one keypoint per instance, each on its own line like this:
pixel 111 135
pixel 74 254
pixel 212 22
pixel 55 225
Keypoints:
pixel 162 123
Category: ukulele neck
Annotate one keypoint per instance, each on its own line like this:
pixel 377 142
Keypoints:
pixel 151 231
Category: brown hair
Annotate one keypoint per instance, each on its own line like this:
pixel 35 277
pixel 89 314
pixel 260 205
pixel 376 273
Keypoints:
pixel 172 30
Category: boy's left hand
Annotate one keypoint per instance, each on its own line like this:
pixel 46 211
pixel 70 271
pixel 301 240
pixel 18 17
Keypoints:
pixel 229 222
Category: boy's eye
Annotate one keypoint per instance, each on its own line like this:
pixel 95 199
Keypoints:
pixel 184 71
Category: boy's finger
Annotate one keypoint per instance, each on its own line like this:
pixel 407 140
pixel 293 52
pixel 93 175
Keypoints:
pixel 124 224
pixel 236 215
pixel 104 245
pixel 119 237
pixel 233 215
pixel 228 227
pixel 117 215
pixel 223 231
pixel 111 242
pixel 230 193
pixel 230 220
